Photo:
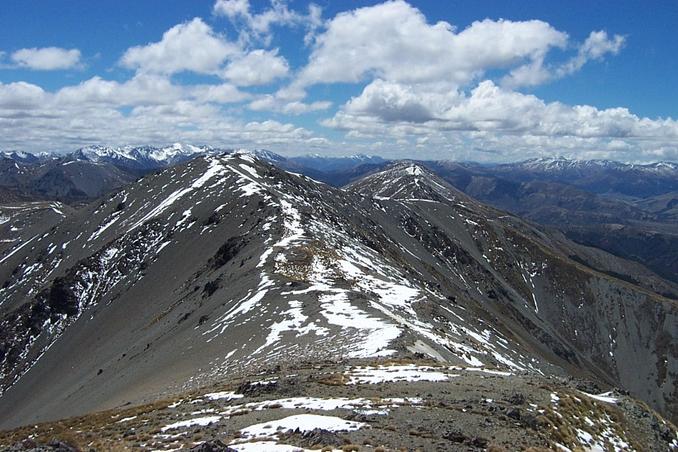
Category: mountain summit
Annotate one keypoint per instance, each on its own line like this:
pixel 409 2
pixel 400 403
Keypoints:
pixel 406 180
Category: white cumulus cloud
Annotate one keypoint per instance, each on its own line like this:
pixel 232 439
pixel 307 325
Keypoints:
pixel 47 58
pixel 20 96
pixel 190 46
pixel 258 67
pixel 501 120
pixel 273 103
pixel 596 46
pixel 258 26
pixel 394 41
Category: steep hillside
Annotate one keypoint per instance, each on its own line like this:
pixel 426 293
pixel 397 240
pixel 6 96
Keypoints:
pixel 597 176
pixel 562 194
pixel 226 265
pixel 60 179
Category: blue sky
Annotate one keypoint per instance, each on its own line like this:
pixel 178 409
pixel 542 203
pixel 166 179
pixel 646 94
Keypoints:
pixel 471 80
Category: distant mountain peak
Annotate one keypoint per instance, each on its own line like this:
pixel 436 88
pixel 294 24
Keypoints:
pixel 261 154
pixel 20 156
pixel 406 181
pixel 410 168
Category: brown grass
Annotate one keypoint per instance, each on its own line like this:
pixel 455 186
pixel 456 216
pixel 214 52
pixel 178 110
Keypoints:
pixel 573 409
pixel 334 379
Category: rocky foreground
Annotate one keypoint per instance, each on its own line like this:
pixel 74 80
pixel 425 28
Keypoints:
pixel 366 405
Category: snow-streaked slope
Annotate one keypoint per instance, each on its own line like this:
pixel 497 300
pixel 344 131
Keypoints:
pixel 226 264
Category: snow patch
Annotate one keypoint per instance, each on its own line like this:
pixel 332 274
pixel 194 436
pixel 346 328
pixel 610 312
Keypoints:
pixel 225 395
pixel 388 374
pixel 302 422
pixel 201 421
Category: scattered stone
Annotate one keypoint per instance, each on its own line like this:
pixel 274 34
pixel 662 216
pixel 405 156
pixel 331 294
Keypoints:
pixel 319 438
pixel 454 436
pixel 516 399
pixel 252 389
pixel 513 413
pixel 30 445
pixel 214 445
pixel 479 442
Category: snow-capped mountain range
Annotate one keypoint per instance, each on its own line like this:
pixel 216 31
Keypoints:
pixel 141 157
pixel 21 157
pixel 555 164
pixel 156 157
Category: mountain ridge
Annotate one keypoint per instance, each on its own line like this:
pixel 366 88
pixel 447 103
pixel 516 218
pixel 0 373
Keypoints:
pixel 224 242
